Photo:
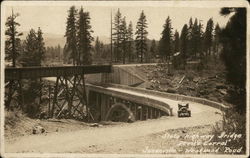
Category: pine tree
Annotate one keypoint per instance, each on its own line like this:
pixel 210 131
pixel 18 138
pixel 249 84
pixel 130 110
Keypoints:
pixel 200 41
pixel 84 38
pixel 117 35
pixel 176 42
pixel 70 49
pixel 124 39
pixel 97 47
pixel 190 35
pixel 234 48
pixel 209 36
pixel 153 49
pixel 13 42
pixel 141 36
pixel 217 31
pixel 59 52
pixel 165 46
pixel 34 49
pixel 40 47
pixel 29 56
pixel 183 44
pixel 33 55
pixel 194 43
pixel 130 42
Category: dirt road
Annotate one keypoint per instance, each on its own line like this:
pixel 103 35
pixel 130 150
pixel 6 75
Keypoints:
pixel 84 140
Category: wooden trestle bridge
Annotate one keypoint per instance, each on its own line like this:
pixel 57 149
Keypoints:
pixel 71 97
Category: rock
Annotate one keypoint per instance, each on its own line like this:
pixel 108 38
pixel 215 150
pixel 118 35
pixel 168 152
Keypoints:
pixel 150 88
pixel 221 86
pixel 38 129
pixel 171 90
pixel 165 81
pixel 94 125
pixel 190 88
pixel 222 91
pixel 203 92
pixel 196 79
pixel 43 115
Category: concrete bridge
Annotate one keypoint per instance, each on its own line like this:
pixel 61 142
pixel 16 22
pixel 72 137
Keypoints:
pixel 117 104
pixel 113 98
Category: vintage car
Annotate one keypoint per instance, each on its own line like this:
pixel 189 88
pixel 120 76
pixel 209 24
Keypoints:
pixel 183 110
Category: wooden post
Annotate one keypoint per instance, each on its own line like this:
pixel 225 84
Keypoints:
pixel 151 113
pixel 49 101
pixel 135 111
pixel 155 113
pixel 67 95
pixel 103 106
pixel 129 105
pixel 21 94
pixel 146 112
pixel 40 89
pixel 141 113
pixel 108 103
pixel 159 113
pixel 55 97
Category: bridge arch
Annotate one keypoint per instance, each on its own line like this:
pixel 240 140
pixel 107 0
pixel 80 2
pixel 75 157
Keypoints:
pixel 128 115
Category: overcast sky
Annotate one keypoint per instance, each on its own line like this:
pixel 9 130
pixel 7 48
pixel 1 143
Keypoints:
pixel 51 17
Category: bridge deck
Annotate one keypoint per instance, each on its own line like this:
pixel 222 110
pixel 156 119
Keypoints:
pixel 36 72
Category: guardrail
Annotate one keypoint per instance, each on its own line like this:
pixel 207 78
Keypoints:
pixel 177 97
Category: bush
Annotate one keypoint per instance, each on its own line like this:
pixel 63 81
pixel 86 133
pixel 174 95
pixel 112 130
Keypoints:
pixel 233 122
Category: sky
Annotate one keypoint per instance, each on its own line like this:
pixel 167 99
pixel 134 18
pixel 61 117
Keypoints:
pixel 51 16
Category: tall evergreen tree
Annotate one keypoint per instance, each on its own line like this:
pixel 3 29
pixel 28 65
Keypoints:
pixel 217 31
pixel 130 42
pixel 71 42
pixel 33 54
pixel 59 52
pixel 233 38
pixel 30 53
pixel 194 42
pixel 201 40
pixel 183 44
pixel 165 46
pixel 208 38
pixel 99 50
pixel 13 42
pixel 97 46
pixel 153 49
pixel 124 39
pixel 190 35
pixel 34 49
pixel 176 42
pixel 117 35
pixel 40 47
pixel 141 36
pixel 84 38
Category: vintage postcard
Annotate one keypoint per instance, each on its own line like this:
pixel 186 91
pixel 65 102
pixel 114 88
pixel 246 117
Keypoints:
pixel 124 78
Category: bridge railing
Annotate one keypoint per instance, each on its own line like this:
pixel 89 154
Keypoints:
pixel 177 97
pixel 130 97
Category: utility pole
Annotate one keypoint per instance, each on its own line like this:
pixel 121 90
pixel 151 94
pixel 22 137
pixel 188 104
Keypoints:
pixel 111 43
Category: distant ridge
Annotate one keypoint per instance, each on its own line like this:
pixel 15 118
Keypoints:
pixel 51 39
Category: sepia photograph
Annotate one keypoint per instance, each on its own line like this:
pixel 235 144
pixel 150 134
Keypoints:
pixel 124 79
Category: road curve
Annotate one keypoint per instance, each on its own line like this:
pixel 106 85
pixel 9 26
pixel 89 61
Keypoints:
pixel 77 140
